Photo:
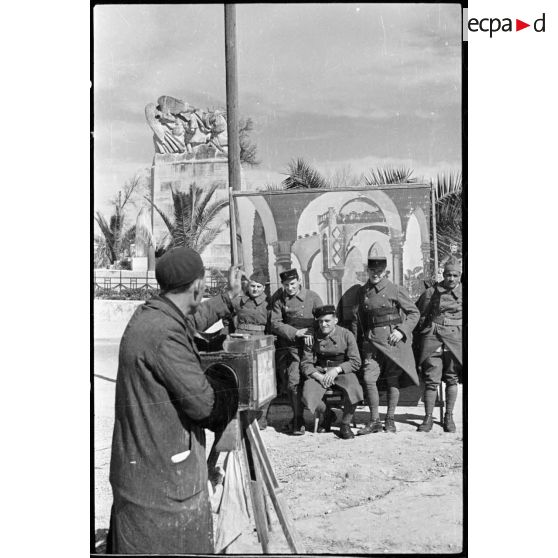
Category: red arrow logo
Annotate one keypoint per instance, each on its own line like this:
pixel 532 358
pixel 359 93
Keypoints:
pixel 519 25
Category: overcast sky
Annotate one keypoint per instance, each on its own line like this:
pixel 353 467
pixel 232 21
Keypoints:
pixel 337 84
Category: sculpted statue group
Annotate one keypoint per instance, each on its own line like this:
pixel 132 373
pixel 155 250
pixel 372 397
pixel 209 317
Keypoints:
pixel 181 128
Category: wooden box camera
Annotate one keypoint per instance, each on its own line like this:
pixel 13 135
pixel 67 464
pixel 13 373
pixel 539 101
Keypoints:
pixel 252 361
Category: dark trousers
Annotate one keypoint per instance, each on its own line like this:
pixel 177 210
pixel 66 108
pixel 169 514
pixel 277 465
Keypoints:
pixel 440 366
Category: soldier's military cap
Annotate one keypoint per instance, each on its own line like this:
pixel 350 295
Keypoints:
pixel 178 267
pixel 258 277
pixel 324 310
pixel 453 264
pixel 374 263
pixel 288 275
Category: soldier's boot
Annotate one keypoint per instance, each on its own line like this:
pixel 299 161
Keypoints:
pixel 345 432
pixel 298 427
pixel 449 425
pixel 426 425
pixel 329 418
pixel 371 428
pixel 262 421
pixel 390 424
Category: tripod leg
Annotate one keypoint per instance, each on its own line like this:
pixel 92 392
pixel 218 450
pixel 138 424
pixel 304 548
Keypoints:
pixel 273 488
pixel 256 492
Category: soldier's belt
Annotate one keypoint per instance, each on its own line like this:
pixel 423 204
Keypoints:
pixel 441 320
pixel 333 360
pixel 382 320
pixel 251 327
pixel 302 322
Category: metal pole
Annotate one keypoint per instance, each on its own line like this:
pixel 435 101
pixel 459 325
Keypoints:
pixel 434 234
pixel 232 119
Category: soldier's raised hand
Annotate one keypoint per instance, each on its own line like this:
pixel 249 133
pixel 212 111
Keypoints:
pixel 235 280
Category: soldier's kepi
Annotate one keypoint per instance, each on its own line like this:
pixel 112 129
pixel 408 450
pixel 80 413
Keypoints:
pixel 384 319
pixel 441 353
pixel 292 320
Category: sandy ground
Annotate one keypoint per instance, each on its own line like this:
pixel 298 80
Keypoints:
pixel 381 493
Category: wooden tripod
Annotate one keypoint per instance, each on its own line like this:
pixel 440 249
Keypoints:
pixel 259 472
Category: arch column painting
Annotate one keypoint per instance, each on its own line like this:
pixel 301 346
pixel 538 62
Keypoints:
pixel 425 249
pixel 305 249
pixel 315 232
pixel 282 251
pixel 396 244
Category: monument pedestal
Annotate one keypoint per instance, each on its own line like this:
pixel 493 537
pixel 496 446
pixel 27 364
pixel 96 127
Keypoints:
pixel 176 171
pixel 140 263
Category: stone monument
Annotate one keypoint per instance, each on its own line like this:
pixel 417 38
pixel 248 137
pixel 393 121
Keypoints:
pixel 190 147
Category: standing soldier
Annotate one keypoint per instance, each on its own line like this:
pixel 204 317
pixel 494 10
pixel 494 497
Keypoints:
pixel 384 319
pixel 252 317
pixel 441 352
pixel 331 362
pixel 292 321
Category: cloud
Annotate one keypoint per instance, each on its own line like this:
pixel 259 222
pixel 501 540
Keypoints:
pixel 321 81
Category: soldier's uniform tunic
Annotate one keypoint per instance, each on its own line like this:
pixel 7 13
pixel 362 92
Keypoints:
pixel 337 348
pixel 381 309
pixel 440 335
pixel 288 315
pixel 252 314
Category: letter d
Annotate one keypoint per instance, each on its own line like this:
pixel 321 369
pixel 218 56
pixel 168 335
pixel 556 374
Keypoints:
pixel 535 25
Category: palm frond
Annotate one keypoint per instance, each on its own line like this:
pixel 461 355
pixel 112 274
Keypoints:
pixel 389 175
pixel 144 233
pixel 271 188
pixel 302 175
pixel 447 184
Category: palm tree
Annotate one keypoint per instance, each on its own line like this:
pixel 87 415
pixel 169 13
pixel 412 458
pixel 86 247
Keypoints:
pixel 194 215
pixel 110 242
pixel 389 175
pixel 449 203
pixel 301 175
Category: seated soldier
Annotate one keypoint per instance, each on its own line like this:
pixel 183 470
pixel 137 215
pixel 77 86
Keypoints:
pixel 331 362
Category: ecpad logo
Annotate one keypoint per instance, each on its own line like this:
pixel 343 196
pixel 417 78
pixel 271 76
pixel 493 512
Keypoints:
pixel 493 25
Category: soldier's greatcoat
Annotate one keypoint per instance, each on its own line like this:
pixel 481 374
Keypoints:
pixel 251 314
pixel 291 313
pixel 164 400
pixel 441 321
pixel 387 300
pixel 338 348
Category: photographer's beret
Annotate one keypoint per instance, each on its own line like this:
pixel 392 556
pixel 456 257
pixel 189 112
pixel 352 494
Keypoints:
pixel 374 263
pixel 324 310
pixel 288 275
pixel 178 267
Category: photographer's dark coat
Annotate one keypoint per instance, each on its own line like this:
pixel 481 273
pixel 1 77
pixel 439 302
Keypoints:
pixel 163 402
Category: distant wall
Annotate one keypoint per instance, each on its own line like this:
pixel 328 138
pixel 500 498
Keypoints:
pixel 110 317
